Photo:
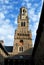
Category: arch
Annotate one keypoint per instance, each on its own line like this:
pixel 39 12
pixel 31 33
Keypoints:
pixel 21 41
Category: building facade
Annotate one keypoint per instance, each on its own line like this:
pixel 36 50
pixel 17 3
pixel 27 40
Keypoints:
pixel 23 36
pixel 22 41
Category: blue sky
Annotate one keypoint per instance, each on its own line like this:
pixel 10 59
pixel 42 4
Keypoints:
pixel 9 11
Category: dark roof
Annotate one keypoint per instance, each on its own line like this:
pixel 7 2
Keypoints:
pixel 39 32
pixel 3 48
pixel 9 48
pixel 20 57
pixel 26 52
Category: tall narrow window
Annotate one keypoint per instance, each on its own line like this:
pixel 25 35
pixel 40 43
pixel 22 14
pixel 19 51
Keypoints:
pixel 20 49
pixel 22 23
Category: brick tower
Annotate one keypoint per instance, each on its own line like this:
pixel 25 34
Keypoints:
pixel 22 37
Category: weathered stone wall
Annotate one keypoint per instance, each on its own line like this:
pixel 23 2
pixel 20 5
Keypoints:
pixel 22 33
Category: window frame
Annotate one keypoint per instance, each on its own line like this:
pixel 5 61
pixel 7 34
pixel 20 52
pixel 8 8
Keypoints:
pixel 20 49
pixel 22 23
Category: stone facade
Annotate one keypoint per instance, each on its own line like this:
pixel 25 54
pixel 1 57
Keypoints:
pixel 23 36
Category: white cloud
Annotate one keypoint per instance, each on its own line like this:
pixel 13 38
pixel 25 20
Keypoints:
pixel 17 8
pixel 2 15
pixel 34 19
pixel 34 31
pixel 23 3
pixel 2 21
pixel 33 41
pixel 33 16
pixel 29 5
pixel 10 36
pixel 4 1
pixel 15 21
pixel 1 18
pixel 15 2
pixel 26 1
pixel 6 30
pixel 6 7
pixel 9 7
pixel 7 33
pixel 36 5
pixel 2 38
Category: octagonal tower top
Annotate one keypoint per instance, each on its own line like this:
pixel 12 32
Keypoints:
pixel 23 11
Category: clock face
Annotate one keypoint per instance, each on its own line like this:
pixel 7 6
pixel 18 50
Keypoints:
pixel 23 17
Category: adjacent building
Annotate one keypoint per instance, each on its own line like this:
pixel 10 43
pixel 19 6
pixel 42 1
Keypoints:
pixel 3 53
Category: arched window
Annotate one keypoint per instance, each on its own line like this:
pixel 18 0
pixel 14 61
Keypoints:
pixel 22 23
pixel 21 41
pixel 20 49
pixel 23 10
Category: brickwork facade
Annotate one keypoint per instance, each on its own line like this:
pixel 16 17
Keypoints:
pixel 22 37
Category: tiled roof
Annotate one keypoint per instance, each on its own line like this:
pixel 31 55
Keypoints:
pixel 20 57
pixel 9 48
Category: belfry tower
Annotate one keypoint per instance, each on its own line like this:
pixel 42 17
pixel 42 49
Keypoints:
pixel 22 37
